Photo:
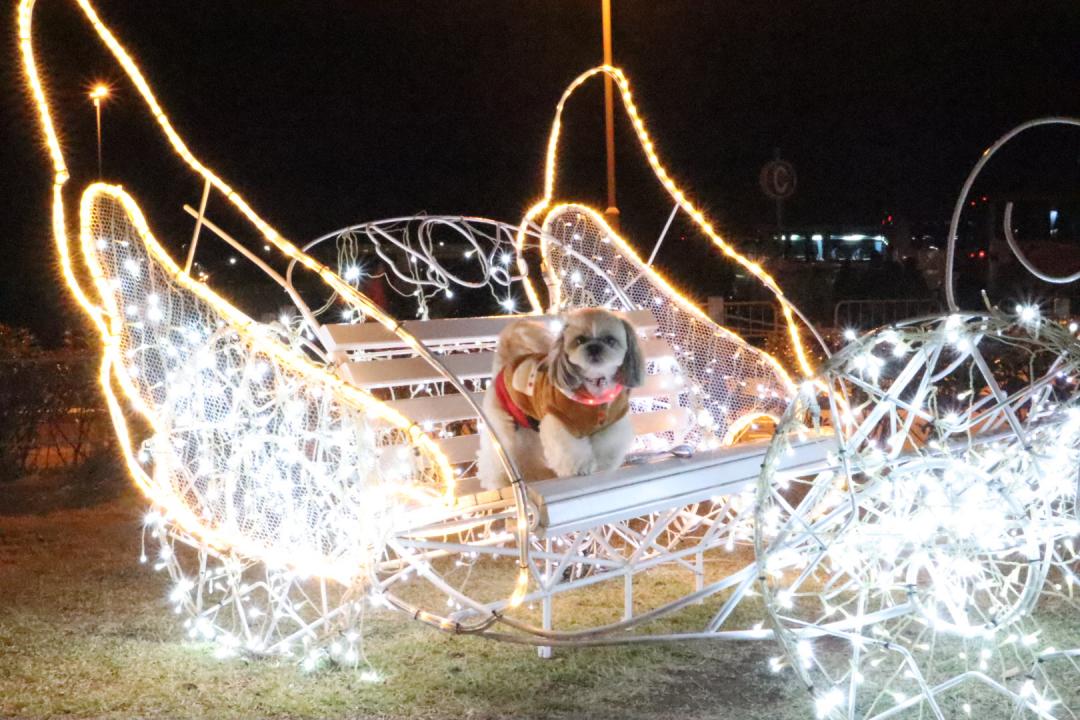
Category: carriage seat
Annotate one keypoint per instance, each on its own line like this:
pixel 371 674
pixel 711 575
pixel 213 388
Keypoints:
pixel 370 356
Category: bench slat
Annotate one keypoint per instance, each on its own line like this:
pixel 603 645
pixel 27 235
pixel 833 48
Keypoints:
pixel 437 408
pixel 446 331
pixel 467 366
pixel 463 448
pixel 659 385
pixel 416 370
pixel 658 421
pixel 459 449
pixel 578 503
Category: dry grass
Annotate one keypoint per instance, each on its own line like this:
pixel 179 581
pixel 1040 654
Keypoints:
pixel 85 632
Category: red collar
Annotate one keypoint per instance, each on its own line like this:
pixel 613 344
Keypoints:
pixel 511 407
pixel 584 397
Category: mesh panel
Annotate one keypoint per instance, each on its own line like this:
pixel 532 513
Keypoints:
pixel 251 443
pixel 728 379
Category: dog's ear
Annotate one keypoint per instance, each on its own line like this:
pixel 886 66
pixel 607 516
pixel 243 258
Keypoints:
pixel 632 371
pixel 563 372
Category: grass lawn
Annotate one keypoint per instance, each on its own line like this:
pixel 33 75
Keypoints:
pixel 85 631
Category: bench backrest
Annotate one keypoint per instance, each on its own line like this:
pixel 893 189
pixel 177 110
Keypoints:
pixel 372 357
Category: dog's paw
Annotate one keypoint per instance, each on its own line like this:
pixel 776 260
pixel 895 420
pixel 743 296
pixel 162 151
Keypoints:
pixel 568 467
pixel 586 467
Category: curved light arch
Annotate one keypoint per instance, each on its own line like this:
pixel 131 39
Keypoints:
pixel 550 172
pixel 113 370
pixel 100 315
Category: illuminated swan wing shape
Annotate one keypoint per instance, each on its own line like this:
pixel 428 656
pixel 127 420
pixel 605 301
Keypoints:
pixel 255 448
pixel 728 382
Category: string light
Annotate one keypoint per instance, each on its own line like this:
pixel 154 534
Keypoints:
pixel 661 173
pixel 950 504
pixel 291 567
pixel 236 362
pixel 587 264
pixel 126 377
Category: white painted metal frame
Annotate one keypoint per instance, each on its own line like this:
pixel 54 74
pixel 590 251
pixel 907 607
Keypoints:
pixel 953 504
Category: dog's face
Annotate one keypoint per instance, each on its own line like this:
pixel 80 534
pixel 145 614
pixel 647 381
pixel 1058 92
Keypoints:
pixel 596 347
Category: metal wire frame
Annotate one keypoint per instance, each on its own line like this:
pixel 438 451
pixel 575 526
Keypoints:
pixel 358 301
pixel 1003 459
pixel 625 550
pixel 558 564
pixel 961 200
pixel 1034 432
pixel 491 242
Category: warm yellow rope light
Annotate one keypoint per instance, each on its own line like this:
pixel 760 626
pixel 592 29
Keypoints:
pixel 245 326
pixel 105 320
pixel 262 343
pixel 61 176
pixel 655 276
pixel 669 184
pixel 746 421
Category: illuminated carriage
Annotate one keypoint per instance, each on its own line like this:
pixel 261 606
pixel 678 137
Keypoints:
pixel 305 468
pixel 325 461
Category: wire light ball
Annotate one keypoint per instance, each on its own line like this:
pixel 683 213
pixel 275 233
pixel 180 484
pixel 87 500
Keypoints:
pixel 244 606
pixel 948 514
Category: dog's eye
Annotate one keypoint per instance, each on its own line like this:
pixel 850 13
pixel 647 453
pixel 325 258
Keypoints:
pixel 580 340
pixel 610 340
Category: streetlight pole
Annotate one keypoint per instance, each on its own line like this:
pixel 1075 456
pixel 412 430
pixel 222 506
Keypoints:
pixel 612 211
pixel 98 95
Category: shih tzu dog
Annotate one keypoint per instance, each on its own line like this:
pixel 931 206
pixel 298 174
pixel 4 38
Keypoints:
pixel 560 403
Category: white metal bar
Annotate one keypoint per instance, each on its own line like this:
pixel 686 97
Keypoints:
pixel 198 227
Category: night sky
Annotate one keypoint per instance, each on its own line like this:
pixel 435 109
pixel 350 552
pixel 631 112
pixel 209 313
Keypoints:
pixel 330 112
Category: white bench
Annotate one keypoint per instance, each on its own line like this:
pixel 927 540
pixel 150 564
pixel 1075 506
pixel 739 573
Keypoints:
pixel 371 357
pixel 577 503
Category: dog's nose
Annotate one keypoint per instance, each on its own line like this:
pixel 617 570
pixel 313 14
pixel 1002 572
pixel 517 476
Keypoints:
pixel 594 349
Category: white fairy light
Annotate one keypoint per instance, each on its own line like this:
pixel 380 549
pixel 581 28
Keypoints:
pixel 923 511
pixel 327 392
pixel 1028 313
pixel 828 702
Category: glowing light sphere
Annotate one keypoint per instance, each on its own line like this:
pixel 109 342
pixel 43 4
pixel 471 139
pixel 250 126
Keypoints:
pixel 905 577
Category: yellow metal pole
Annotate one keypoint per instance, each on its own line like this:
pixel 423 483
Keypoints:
pixel 98 94
pixel 97 112
pixel 612 211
